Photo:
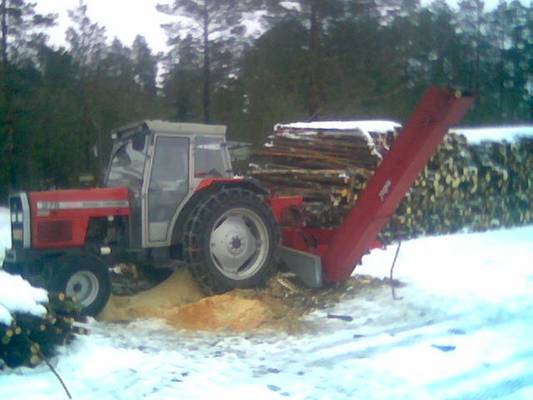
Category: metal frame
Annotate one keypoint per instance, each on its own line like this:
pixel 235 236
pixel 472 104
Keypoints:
pixel 26 220
pixel 435 113
pixel 342 249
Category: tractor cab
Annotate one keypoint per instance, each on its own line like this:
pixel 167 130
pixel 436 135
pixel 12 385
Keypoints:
pixel 162 165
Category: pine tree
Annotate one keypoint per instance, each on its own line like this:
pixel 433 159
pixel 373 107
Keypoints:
pixel 87 48
pixel 145 64
pixel 215 25
pixel 22 32
pixel 182 81
pixel 511 59
pixel 315 15
pixel 22 29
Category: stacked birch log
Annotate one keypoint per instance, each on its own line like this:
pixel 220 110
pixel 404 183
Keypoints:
pixel 30 338
pixel 327 165
pixel 471 187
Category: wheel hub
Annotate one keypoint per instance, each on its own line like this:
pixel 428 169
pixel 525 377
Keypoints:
pixel 238 243
pixel 83 286
pixel 235 243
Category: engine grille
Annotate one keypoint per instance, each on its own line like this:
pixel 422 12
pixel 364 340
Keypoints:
pixel 54 231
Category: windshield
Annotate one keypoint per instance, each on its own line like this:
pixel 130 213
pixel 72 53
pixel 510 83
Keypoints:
pixel 209 159
pixel 127 164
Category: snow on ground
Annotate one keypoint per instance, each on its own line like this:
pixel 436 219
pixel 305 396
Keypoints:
pixel 16 295
pixel 5 231
pixel 495 133
pixel 462 330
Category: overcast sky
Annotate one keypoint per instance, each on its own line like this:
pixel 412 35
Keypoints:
pixel 124 19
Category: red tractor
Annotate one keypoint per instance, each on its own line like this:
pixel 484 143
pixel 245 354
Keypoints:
pixel 171 199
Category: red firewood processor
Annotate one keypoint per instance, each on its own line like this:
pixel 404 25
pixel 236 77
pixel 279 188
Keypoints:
pixel 171 200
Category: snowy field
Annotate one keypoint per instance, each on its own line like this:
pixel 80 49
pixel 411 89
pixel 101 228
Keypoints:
pixel 463 329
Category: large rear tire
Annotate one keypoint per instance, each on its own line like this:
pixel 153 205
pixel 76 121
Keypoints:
pixel 86 278
pixel 231 241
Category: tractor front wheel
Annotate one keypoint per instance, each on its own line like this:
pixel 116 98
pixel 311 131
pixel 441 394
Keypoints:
pixel 232 241
pixel 85 278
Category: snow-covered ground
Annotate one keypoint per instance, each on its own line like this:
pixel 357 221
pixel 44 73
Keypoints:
pixel 463 329
pixel 5 231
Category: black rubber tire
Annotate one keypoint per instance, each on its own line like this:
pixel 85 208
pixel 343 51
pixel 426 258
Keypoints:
pixel 197 232
pixel 69 265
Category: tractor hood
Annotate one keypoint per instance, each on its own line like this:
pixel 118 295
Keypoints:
pixel 60 218
pixel 108 201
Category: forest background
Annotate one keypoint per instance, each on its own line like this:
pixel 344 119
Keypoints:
pixel 312 60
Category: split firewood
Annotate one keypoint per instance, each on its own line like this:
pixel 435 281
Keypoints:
pixel 465 186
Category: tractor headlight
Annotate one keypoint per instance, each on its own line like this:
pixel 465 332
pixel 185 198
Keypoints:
pixel 20 217
pixel 18 234
pixel 13 217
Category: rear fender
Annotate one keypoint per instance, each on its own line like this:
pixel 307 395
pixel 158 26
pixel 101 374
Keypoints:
pixel 218 183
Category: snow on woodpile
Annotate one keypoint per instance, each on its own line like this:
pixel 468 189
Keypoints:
pixel 33 323
pixel 18 296
pixel 495 133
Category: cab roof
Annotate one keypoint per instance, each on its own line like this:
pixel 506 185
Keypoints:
pixel 173 128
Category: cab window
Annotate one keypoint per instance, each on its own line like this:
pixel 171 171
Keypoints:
pixel 127 164
pixel 209 161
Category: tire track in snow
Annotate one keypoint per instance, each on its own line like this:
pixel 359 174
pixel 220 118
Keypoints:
pixel 381 342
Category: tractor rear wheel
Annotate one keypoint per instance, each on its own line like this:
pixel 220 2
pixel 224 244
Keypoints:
pixel 86 278
pixel 231 241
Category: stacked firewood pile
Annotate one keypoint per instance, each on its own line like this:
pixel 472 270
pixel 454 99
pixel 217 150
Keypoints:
pixel 329 167
pixel 465 186
pixel 470 187
pixel 29 339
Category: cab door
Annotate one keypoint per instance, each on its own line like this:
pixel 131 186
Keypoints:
pixel 167 186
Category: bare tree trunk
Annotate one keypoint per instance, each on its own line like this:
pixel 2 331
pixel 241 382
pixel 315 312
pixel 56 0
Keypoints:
pixel 313 100
pixel 3 11
pixel 207 67
pixel 8 123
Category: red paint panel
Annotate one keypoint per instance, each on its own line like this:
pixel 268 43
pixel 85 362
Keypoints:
pixel 280 204
pixel 311 240
pixel 205 183
pixel 435 113
pixel 60 208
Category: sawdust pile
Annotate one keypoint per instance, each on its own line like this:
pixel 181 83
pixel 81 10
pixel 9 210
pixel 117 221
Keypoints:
pixel 181 304
pixel 177 290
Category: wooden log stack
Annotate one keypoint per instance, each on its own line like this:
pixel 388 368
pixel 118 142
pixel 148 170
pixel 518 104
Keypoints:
pixel 329 164
pixel 29 338
pixel 465 186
